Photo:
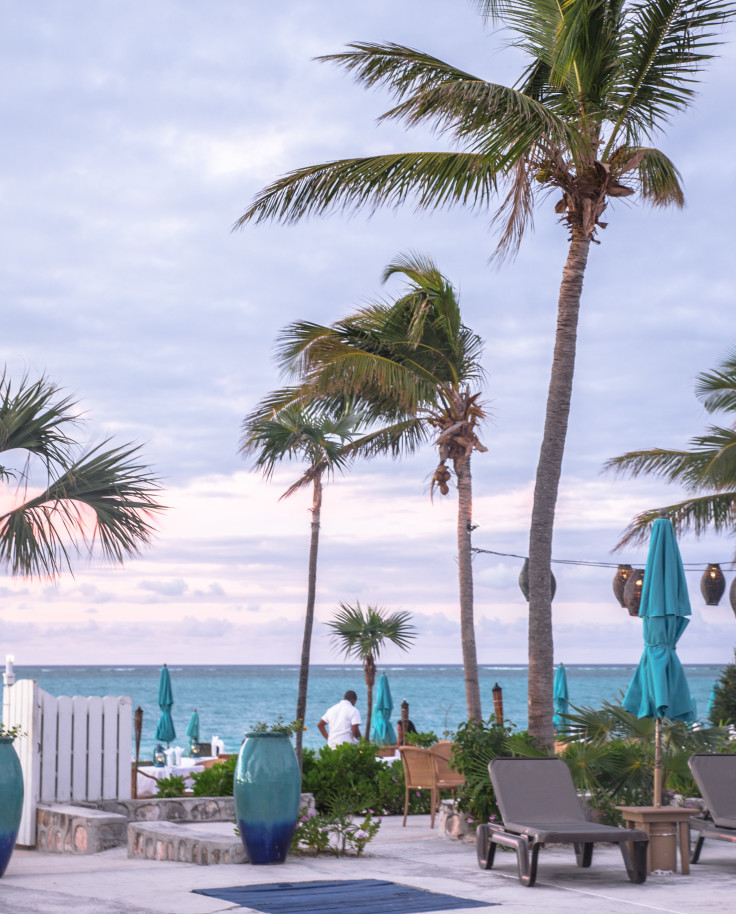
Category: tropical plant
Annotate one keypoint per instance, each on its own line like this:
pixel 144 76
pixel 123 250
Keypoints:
pixel 414 368
pixel 723 708
pixel 102 497
pixel 610 753
pixel 707 470
pixel 338 831
pixel 363 635
pixel 602 80
pixel 474 745
pixel 317 438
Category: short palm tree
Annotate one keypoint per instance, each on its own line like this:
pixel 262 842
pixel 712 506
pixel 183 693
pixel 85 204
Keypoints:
pixel 104 496
pixel 706 470
pixel 414 367
pixel 318 439
pixel 602 79
pixel 362 634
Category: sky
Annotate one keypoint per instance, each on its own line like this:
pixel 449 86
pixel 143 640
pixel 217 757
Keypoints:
pixel 134 136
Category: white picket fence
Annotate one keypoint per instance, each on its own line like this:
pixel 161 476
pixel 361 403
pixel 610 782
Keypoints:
pixel 74 749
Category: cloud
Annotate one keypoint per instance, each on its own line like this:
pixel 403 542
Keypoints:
pixel 166 588
pixel 129 154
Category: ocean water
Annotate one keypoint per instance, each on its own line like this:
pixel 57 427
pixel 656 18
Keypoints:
pixel 231 699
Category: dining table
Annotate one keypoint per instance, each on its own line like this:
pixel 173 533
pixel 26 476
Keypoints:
pixel 147 776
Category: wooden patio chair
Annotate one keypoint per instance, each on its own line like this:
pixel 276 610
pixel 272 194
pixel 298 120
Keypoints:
pixel 419 774
pixel 446 777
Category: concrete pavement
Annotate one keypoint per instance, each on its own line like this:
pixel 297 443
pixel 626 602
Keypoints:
pixel 110 883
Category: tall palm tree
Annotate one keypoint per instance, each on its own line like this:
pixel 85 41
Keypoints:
pixel 413 366
pixel 102 497
pixel 602 80
pixel 318 439
pixel 363 634
pixel 707 470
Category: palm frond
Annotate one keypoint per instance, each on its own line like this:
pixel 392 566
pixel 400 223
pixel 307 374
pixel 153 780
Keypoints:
pixel 714 512
pixel 717 389
pixel 34 418
pixel 434 180
pixel 400 69
pixel 709 464
pixel 659 180
pixel 666 46
pixel 121 494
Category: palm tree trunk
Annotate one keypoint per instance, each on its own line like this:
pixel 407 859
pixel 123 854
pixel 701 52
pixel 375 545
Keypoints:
pixel 369 667
pixel 541 649
pixel 301 701
pixel 465 567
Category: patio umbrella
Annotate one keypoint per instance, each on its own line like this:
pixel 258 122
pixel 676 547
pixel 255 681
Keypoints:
pixel 383 731
pixel 659 688
pixel 193 729
pixel 560 697
pixel 165 729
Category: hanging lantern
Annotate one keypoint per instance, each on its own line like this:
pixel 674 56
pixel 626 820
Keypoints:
pixel 524 582
pixel 619 582
pixel 632 591
pixel 732 596
pixel 712 585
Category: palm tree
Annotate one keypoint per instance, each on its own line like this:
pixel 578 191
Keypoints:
pixel 707 470
pixel 362 635
pixel 103 496
pixel 602 79
pixel 318 439
pixel 410 364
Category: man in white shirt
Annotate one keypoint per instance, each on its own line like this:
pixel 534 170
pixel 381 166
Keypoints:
pixel 343 720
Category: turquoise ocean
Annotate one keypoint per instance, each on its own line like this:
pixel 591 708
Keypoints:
pixel 231 699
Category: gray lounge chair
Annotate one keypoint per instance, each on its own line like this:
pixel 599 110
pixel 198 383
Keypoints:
pixel 539 806
pixel 715 776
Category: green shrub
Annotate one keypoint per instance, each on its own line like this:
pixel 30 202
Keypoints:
pixel 171 787
pixel 425 739
pixel 216 781
pixel 353 770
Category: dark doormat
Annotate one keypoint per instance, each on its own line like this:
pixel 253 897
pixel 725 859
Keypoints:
pixel 356 896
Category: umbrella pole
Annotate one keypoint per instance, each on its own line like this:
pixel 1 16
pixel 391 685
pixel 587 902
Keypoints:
pixel 657 762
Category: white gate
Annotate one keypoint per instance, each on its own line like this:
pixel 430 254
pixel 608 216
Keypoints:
pixel 73 749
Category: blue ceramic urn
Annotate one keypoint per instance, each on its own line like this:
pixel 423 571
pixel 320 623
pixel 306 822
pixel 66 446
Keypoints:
pixel 11 799
pixel 267 788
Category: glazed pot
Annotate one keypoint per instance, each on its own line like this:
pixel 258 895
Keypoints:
pixel 266 789
pixel 11 800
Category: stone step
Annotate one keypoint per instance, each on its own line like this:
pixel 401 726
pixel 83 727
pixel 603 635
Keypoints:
pixel 191 842
pixel 65 829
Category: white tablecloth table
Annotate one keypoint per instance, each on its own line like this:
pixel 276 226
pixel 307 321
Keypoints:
pixel 146 787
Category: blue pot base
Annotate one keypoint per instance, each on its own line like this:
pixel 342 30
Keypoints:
pixel 7 843
pixel 266 843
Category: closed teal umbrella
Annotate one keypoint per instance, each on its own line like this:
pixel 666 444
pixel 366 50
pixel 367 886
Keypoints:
pixel 165 729
pixel 383 731
pixel 659 687
pixel 560 697
pixel 193 729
